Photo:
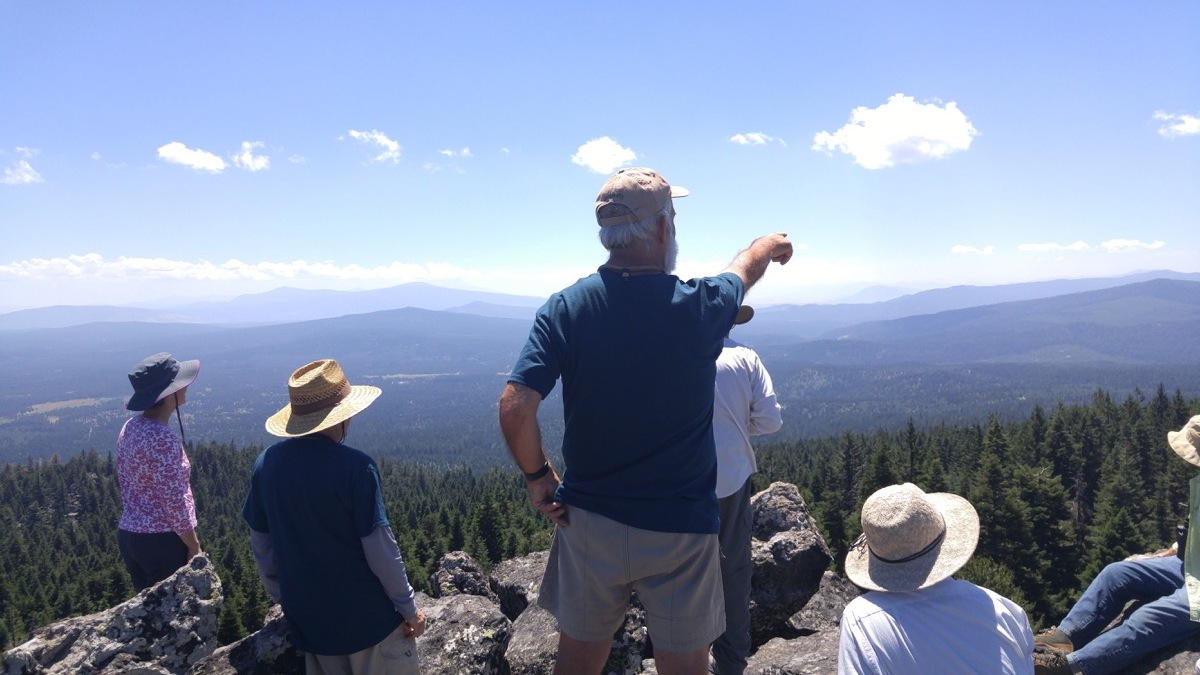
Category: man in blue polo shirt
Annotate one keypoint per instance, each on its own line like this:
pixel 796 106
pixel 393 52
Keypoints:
pixel 636 349
pixel 321 538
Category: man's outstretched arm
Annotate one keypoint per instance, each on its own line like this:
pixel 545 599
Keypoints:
pixel 752 263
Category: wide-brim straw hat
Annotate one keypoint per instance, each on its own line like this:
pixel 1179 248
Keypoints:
pixel 911 540
pixel 1186 441
pixel 157 377
pixel 319 397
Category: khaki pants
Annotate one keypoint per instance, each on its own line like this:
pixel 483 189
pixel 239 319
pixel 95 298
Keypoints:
pixel 394 655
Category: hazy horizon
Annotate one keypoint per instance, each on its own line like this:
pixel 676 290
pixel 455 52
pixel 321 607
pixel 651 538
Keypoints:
pixel 863 295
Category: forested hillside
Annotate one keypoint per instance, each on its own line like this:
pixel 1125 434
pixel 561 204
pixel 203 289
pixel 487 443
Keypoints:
pixel 1059 493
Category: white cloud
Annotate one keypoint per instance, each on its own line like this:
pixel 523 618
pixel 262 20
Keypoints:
pixel 900 131
pixel 603 155
pixel 1050 246
pixel 20 173
pixel 1177 125
pixel 93 266
pixel 201 160
pixel 96 156
pixel 963 249
pixel 465 152
pixel 297 159
pixel 249 161
pixel 1118 245
pixel 389 149
pixel 755 138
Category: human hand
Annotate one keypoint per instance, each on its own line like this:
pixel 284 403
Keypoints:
pixel 780 247
pixel 541 495
pixel 413 628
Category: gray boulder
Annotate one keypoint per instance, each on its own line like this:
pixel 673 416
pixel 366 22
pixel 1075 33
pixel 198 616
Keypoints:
pixel 267 652
pixel 813 655
pixel 516 582
pixel 816 629
pixel 457 573
pixel 534 642
pixel 164 630
pixel 464 634
pixel 823 611
pixel 789 556
pixel 533 648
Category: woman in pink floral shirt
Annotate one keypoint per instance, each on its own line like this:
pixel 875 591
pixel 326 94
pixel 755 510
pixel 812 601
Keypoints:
pixel 157 532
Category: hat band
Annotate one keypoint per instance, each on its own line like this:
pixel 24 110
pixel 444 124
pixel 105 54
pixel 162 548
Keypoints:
pixel 932 545
pixel 323 403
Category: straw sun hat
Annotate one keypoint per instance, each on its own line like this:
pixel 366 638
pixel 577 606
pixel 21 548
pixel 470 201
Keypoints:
pixel 911 540
pixel 320 397
pixel 1186 441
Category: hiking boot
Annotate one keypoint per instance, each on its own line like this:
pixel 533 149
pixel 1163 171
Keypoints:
pixel 1054 639
pixel 1050 661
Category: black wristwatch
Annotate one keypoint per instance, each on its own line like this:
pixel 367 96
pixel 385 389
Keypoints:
pixel 537 474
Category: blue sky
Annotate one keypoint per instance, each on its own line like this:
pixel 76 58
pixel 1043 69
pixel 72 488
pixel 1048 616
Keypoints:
pixel 176 150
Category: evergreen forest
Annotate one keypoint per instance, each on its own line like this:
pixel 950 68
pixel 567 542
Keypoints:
pixel 1060 494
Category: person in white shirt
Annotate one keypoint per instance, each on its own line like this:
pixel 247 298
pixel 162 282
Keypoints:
pixel 915 619
pixel 744 405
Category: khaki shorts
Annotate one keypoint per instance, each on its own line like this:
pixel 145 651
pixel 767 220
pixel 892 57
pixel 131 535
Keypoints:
pixel 596 562
pixel 393 655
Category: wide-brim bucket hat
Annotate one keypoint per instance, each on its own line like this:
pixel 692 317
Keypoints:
pixel 1186 441
pixel 319 397
pixel 157 377
pixel 911 540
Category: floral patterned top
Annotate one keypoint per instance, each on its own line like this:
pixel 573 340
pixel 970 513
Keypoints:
pixel 154 472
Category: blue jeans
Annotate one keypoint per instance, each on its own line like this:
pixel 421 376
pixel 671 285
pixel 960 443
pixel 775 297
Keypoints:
pixel 1161 621
pixel 731 649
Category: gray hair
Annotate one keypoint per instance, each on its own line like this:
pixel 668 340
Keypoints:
pixel 629 235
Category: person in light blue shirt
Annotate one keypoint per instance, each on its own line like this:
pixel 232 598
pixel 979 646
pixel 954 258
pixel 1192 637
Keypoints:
pixel 915 618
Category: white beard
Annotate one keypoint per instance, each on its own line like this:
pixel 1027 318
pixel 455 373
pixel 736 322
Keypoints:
pixel 671 255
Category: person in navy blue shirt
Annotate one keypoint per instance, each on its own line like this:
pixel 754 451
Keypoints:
pixel 321 538
pixel 636 349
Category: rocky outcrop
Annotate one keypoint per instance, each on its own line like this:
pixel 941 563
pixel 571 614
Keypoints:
pixel 477 623
pixel 789 557
pixel 458 574
pixel 815 631
pixel 164 630
pixel 516 582
pixel 267 652
pixel 483 623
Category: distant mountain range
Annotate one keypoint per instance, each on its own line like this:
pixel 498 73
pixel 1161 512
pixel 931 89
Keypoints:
pixel 951 354
pixel 785 321
pixel 284 305
pixel 1151 322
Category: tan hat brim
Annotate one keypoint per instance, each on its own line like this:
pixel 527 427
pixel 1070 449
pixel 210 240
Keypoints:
pixel 957 547
pixel 287 425
pixel 1181 446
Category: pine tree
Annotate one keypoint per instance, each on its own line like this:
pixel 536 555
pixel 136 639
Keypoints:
pixel 879 471
pixel 1120 512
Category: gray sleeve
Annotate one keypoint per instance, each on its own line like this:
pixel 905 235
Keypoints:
pixel 383 555
pixel 264 558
